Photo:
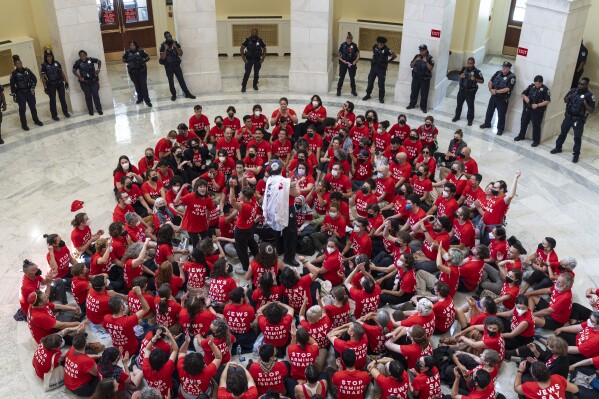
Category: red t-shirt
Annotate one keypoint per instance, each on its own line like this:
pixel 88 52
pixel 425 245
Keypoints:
pixel 122 333
pixel 386 186
pixel 464 232
pixel 80 237
pixel 587 341
pixel 376 339
pixel 198 124
pixel 251 393
pixel 96 306
pixel 194 385
pixel 135 303
pixel 295 295
pixel 339 315
pixel 201 323
pixel 333 264
pixel 27 287
pixel 471 195
pixel 63 260
pixel 221 344
pixel 359 347
pixel 76 369
pixel 300 359
pixel 172 314
pixel 246 216
pixel 271 380
pixel 263 148
pixel 220 288
pixel 278 334
pixel 151 191
pixel 391 386
pixel 421 186
pixel 446 207
pixel 319 330
pixel 496 343
pixel 361 245
pixel 407 281
pixel 452 279
pixel 513 292
pixel 556 389
pixel 79 288
pixel 444 311
pixel 282 149
pixel 428 387
pixel 413 352
pixel 365 303
pixel 341 183
pixel 427 246
pixel 426 322
pixel 42 360
pixel 338 224
pixel 351 384
pixel 400 171
pixel 495 209
pixel 230 146
pixel 413 149
pixel 400 131
pixel 561 302
pixel 239 317
pixel 41 322
pixel 118 215
pixel 131 272
pixel 527 316
pixel 162 380
pixel 196 274
pixel 319 112
pixel 275 295
pixel 195 219
pixel 471 272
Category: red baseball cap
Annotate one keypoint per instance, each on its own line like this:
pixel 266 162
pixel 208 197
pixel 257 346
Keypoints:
pixel 76 205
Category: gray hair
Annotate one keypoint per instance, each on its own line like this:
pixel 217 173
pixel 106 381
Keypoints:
pixel 424 306
pixel 568 279
pixel 491 356
pixel 150 393
pixel 133 251
pixel 457 256
pixel 313 314
pixel 158 201
pixel 130 217
pixel 569 263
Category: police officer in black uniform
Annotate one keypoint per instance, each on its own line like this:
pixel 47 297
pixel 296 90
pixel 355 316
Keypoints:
pixel 580 63
pixel 536 98
pixel 54 81
pixel 87 74
pixel 470 77
pixel 381 56
pixel 170 57
pixel 421 65
pixel 2 109
pixel 500 86
pixel 22 89
pixel 136 59
pixel 253 52
pixel 579 103
pixel 349 54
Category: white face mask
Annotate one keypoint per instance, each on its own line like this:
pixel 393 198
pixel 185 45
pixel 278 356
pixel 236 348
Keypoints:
pixel 399 263
pixel 128 201
pixel 315 104
pixel 379 131
pixel 257 113
pixel 330 250
pixel 446 256
pixel 88 223
pixel 301 172
pixel 491 236
pixel 333 214
pixel 335 173
pixel 125 308
pixel 176 189
pixel 445 194
pixel 590 322
pixel 222 159
pixel 520 311
pixel 125 165
pixel 356 229
pixel 215 246
pixel 173 140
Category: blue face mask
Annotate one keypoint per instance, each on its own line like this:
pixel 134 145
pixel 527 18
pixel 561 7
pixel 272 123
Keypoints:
pixel 409 207
pixel 379 175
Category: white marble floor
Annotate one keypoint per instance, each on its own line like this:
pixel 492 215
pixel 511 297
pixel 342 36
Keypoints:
pixel 45 169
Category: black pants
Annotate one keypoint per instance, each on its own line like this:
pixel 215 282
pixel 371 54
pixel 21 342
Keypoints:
pixel 24 98
pixel 175 70
pixel 244 239
pixel 256 64
pixel 536 117
pixel 468 96
pixel 88 389
pixel 91 89
pixel 569 123
pixel 538 280
pixel 381 74
pixel 54 88
pixel 287 239
pixel 140 81
pixel 498 102
pixel 197 237
pixel 580 312
pixel 343 69
pixel 420 86
pixel 245 340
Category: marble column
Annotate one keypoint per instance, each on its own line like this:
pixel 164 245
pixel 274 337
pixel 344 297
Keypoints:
pixel 195 28
pixel 551 34
pixel 311 67
pixel 74 26
pixel 427 22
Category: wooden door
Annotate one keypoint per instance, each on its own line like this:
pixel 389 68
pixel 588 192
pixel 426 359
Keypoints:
pixel 514 27
pixel 124 20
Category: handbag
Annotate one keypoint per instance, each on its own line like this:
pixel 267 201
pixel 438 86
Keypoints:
pixel 54 378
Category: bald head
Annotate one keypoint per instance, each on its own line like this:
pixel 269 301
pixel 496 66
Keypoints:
pixel 466 151
pixel 401 157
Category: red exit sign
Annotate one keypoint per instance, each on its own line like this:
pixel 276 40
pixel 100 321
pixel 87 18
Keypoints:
pixel 435 33
pixel 523 51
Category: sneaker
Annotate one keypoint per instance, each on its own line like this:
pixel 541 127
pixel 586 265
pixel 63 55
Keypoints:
pixel 455 119
pixel 366 97
pixel 38 122
pixel 518 138
pixel 173 97
pixel 485 126
pixel 555 151
pixel 189 95
pixel 96 347
pixel 410 106
pixel 1 141
pixel 534 144
pixel 55 118
pixel 575 158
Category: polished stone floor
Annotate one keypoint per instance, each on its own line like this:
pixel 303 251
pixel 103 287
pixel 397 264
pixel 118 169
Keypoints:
pixel 47 168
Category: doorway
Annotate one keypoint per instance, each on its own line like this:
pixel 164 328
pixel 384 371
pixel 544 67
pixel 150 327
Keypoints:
pixel 124 20
pixel 514 27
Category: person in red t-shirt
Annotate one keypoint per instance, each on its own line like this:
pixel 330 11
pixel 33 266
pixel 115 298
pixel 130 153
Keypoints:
pixel 545 384
pixel 47 355
pixel 80 285
pixel 445 204
pixel 41 319
pixel 349 382
pixel 413 145
pixel 463 232
pixel 318 325
pixel 522 327
pixel 421 184
pixel 120 326
pixel 471 271
pixel 268 373
pixel 435 235
pixel 239 315
pixel 491 337
pixel 368 296
pixel 423 316
pixel 195 376
pixel 158 367
pixel 199 123
pixel 331 268
pixel 59 257
pixel 481 385
pixel 302 352
pixel 410 353
pixel 392 381
pixel 32 281
pixel 555 313
pixel 401 129
pixel 583 338
pixel 244 226
pixel 236 383
pixel 82 237
pixel 357 342
pixel 96 303
pixel 197 212
pixel 274 320
pixel 80 369
pixel 427 383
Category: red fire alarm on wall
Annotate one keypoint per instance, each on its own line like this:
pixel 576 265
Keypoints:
pixel 435 33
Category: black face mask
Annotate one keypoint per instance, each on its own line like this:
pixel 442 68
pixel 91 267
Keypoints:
pixel 413 138
pixel 195 147
pixel 418 173
pixel 369 119
pixel 38 272
pixel 124 233
pixel 179 155
pixel 541 246
pixel 129 186
pixel 298 207
pixel 359 124
pixel 472 384
pixel 495 192
pixel 219 124
pixel 61 244
pixel 402 122
pixel 561 268
pixel 364 190
pixel 456 140
pixel 370 216
pixel 395 160
pixel 508 280
pixel 231 115
pixel 162 208
pixel 252 156
pixel 310 134
pixel 492 333
pixel 419 365
pixel 154 178
pixel 437 229
pixel 150 157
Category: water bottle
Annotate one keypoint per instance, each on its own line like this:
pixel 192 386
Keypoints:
pixel 238 353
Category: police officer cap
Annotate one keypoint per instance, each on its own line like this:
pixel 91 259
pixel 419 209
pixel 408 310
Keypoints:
pixel 539 79
pixel 507 64
pixel 423 47
pixel 381 39
pixel 48 52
